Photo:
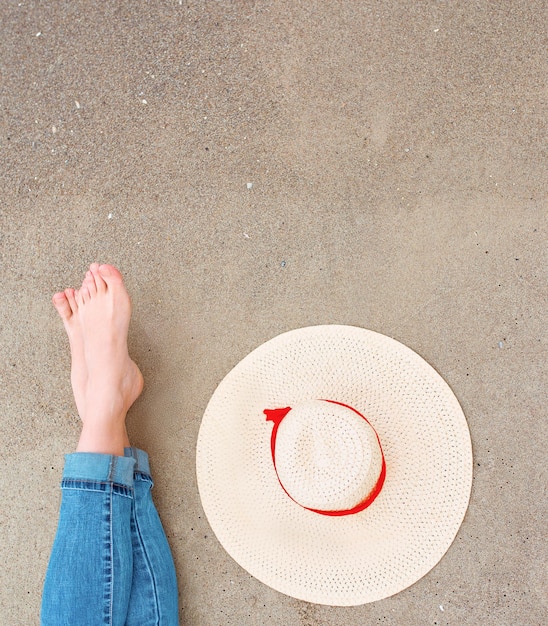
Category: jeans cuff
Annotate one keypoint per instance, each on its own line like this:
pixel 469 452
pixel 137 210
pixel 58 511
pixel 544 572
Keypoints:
pixel 90 466
pixel 141 459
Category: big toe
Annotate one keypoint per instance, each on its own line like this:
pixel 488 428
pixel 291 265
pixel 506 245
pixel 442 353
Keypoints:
pixel 61 303
pixel 110 274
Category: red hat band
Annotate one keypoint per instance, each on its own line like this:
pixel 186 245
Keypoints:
pixel 277 416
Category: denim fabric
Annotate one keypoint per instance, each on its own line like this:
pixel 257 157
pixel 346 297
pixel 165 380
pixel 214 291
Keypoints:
pixel 110 562
pixel 153 598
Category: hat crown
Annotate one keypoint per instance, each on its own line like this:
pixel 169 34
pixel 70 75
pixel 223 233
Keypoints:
pixel 327 456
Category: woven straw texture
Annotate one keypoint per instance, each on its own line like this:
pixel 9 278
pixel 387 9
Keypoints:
pixel 352 559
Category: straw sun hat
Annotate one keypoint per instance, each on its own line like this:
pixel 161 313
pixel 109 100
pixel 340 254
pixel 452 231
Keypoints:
pixel 335 465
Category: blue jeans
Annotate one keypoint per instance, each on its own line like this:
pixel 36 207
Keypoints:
pixel 110 562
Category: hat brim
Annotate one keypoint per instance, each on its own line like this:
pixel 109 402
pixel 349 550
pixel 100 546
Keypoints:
pixel 346 560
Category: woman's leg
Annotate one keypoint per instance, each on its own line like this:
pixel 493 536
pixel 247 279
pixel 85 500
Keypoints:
pixel 154 596
pixel 89 577
pixel 91 570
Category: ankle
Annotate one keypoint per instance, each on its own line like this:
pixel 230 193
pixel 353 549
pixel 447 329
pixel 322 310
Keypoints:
pixel 102 438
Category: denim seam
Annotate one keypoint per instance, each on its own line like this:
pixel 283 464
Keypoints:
pixel 86 485
pixel 111 603
pixel 143 476
pixel 94 482
pixel 108 590
pixel 149 568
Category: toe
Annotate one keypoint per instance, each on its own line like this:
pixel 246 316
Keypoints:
pixel 71 297
pixel 100 284
pixel 110 274
pixel 61 303
pixel 87 278
pixel 83 294
pixel 89 282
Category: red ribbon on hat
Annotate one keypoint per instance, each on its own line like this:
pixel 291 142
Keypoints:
pixel 276 416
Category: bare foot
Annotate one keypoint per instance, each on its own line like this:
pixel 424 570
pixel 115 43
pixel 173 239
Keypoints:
pixel 105 380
